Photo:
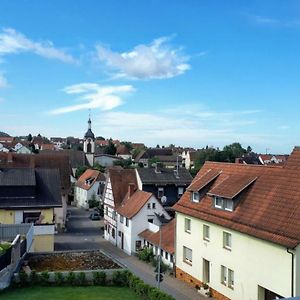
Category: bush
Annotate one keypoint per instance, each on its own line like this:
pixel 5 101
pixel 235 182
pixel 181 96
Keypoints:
pixel 81 278
pixel 34 278
pixel 120 278
pixel 58 278
pixel 71 278
pixel 163 266
pixel 23 278
pixel 146 255
pixel 44 278
pixel 99 278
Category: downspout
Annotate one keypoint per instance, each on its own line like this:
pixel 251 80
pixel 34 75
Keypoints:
pixel 292 277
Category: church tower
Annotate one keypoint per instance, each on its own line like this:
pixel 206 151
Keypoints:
pixel 89 144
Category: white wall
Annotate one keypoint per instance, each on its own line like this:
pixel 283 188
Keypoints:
pixel 255 262
pixel 297 271
pixel 105 161
pixel 82 196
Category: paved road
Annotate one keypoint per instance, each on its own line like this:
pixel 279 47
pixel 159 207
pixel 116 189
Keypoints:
pixel 84 234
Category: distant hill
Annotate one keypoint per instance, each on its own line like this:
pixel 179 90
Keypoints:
pixel 4 134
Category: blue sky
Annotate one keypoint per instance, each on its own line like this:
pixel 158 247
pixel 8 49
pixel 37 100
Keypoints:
pixel 192 73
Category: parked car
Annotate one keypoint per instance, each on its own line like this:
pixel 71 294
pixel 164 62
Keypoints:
pixel 95 216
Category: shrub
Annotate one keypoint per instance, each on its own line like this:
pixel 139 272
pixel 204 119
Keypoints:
pixel 23 278
pixel 58 278
pixel 120 278
pixel 44 278
pixel 146 255
pixel 81 278
pixel 163 266
pixel 99 278
pixel 71 278
pixel 34 278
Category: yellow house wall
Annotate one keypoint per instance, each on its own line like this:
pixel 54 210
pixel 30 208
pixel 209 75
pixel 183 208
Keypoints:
pixel 43 243
pixel 255 262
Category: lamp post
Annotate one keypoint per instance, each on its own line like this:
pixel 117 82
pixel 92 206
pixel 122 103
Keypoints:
pixel 159 258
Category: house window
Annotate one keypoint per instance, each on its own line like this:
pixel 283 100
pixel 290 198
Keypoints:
pixel 195 197
pixel 180 192
pixel 160 192
pixel 187 225
pixel 161 252
pixel 228 204
pixel 31 217
pixel 227 243
pixel 149 205
pixel 153 205
pixel 138 245
pixel 150 220
pixel 166 255
pixel 218 202
pixel 171 258
pixel 127 222
pixel 223 275
pixel 113 233
pixel 206 232
pixel 121 219
pixel 187 255
pixel 119 233
pixel 106 210
pixel 230 278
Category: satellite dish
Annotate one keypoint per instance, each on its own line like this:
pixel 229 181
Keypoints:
pixel 163 199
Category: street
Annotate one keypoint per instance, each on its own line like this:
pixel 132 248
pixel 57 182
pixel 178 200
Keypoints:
pixel 85 234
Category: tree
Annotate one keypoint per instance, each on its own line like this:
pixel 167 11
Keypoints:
pixel 39 135
pixel 110 148
pixel 29 137
pixel 98 167
pixel 128 145
pixel 233 151
pixel 249 149
pixel 157 146
pixel 124 163
pixel 80 171
pixel 100 138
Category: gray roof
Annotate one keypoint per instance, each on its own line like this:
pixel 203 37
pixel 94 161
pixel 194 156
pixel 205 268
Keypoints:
pixel 165 176
pixel 89 134
pixel 17 177
pixel 45 192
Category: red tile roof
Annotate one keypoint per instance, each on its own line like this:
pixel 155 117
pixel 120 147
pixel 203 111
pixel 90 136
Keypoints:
pixel 268 209
pixel 231 186
pixel 167 237
pixel 132 205
pixel 88 178
pixel 122 150
pixel 201 181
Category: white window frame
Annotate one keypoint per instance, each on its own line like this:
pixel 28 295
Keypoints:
pixel 219 199
pixel 186 259
pixel 230 278
pixel 206 232
pixel 227 240
pixel 187 225
pixel 197 198
pixel 224 275
pixel 226 202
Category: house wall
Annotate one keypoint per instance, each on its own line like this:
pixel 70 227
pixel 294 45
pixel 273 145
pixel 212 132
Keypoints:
pixel 7 216
pixel 80 197
pixel 43 243
pixel 105 161
pixel 61 212
pixel 297 271
pixel 255 262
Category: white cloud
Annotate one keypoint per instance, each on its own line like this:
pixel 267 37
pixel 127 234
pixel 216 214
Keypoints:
pixel 3 81
pixel 156 60
pixel 13 42
pixel 165 128
pixel 94 96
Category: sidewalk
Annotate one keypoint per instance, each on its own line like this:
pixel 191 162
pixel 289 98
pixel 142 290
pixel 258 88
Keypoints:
pixel 172 286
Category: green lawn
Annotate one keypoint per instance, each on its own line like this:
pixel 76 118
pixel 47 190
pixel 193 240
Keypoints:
pixel 69 293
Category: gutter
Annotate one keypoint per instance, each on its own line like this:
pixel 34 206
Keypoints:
pixel 292 277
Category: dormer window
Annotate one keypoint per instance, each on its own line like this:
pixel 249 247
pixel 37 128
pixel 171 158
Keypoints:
pixel 222 203
pixel 195 197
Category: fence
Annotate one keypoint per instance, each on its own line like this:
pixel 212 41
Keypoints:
pixel 5 259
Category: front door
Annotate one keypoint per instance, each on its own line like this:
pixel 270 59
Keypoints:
pixel 206 271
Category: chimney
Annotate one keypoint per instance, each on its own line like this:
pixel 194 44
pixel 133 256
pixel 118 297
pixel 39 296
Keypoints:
pixel 131 189
pixel 9 157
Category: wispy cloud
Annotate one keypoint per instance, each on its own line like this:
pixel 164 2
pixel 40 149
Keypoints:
pixel 157 60
pixel 94 96
pixel 264 20
pixel 3 81
pixel 271 21
pixel 13 42
pixel 179 128
pixel 283 127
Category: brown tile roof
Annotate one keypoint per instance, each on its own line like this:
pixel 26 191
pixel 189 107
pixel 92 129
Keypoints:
pixel 268 209
pixel 88 178
pixel 132 205
pixel 120 179
pixel 43 161
pixel 167 237
pixel 201 181
pixel 122 150
pixel 231 186
pixel 47 147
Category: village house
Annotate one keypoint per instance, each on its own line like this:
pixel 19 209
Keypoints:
pixel 137 209
pixel 89 186
pixel 30 195
pixel 123 152
pixel 168 185
pixel 238 230
pixel 268 159
pixel 161 239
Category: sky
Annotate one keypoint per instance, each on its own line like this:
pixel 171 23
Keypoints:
pixel 191 72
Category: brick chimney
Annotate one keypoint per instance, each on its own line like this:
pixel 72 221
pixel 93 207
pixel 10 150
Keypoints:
pixel 9 157
pixel 131 189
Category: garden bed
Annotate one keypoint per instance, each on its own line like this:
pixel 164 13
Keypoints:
pixel 70 261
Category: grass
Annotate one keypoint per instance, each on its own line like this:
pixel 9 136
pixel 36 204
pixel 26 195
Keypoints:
pixel 69 293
